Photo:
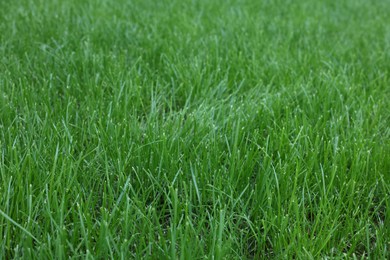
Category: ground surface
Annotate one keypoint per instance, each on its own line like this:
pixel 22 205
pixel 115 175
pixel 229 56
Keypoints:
pixel 226 129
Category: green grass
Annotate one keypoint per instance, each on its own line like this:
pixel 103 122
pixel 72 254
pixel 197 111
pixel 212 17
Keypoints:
pixel 216 129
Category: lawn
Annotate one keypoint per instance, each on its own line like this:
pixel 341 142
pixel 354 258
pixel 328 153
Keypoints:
pixel 218 129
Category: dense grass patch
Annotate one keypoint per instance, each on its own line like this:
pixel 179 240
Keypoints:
pixel 191 129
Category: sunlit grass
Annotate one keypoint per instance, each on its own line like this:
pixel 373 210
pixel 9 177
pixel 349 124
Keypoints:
pixel 194 129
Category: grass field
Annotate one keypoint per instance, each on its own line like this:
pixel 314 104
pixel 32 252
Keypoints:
pixel 219 129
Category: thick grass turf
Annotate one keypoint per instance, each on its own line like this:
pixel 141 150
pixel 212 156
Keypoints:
pixel 211 128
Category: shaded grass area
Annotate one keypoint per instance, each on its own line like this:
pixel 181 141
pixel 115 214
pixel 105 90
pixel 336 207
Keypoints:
pixel 191 129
